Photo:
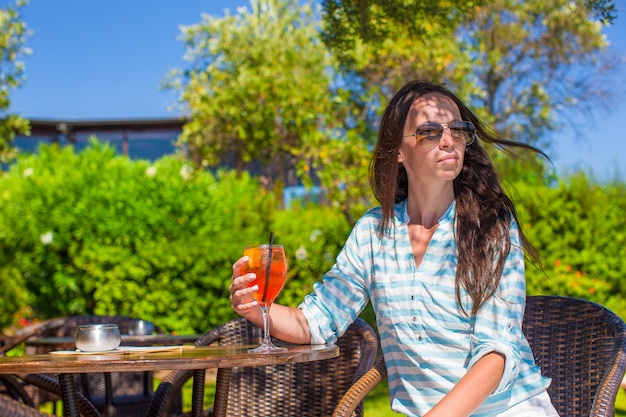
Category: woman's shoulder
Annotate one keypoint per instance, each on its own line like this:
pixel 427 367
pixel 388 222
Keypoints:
pixel 374 215
pixel 370 221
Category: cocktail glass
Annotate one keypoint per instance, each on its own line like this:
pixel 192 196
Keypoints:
pixel 269 264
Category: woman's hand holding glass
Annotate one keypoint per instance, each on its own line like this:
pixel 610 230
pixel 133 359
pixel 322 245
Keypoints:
pixel 241 295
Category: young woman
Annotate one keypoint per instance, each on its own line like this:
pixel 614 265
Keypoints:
pixel 442 262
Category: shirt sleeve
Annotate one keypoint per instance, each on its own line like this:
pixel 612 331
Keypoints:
pixel 341 296
pixel 498 324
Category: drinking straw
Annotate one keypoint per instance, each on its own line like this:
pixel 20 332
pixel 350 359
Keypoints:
pixel 267 268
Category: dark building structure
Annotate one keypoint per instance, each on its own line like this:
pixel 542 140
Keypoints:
pixel 136 138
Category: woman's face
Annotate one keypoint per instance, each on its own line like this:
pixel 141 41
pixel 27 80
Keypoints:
pixel 431 161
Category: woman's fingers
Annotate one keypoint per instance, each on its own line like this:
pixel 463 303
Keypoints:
pixel 241 295
pixel 238 266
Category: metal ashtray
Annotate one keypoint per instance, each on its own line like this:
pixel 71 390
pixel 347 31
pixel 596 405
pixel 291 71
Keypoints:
pixel 97 337
pixel 140 328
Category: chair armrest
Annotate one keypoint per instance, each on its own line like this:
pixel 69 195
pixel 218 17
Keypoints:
pixel 51 384
pixel 10 342
pixel 604 401
pixel 359 390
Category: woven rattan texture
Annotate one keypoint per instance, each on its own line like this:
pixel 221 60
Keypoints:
pixel 580 345
pixel 13 408
pixel 16 402
pixel 297 390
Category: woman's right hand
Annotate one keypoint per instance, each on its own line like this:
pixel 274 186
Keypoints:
pixel 241 299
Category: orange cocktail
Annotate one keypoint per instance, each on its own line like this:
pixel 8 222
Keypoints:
pixel 269 264
pixel 269 286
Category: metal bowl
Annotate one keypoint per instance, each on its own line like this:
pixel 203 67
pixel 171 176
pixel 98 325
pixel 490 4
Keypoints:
pixel 140 328
pixel 96 337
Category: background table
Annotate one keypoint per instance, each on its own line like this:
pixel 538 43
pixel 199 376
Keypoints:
pixel 135 389
pixel 193 358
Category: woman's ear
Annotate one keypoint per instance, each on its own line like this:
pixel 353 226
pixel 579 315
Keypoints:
pixel 400 156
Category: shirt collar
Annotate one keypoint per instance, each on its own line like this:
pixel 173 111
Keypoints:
pixel 402 216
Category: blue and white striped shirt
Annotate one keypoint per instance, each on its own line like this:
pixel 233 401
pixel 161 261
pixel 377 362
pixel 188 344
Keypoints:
pixel 427 341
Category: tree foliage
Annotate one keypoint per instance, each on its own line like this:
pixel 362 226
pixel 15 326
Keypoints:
pixel 286 103
pixel 350 23
pixel 526 67
pixel 13 33
pixel 262 87
pixel 536 62
pixel 258 86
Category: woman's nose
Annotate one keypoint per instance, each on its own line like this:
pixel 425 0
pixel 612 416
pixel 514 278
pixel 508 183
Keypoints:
pixel 446 140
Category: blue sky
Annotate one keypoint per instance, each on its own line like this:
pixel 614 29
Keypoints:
pixel 106 60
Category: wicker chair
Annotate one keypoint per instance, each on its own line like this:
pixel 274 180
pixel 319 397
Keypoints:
pixel 36 330
pixel 114 393
pixel 16 402
pixel 302 390
pixel 17 399
pixel 10 386
pixel 579 344
pixel 10 407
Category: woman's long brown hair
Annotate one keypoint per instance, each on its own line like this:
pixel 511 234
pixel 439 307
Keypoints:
pixel 483 211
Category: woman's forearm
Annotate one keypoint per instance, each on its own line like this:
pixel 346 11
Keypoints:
pixel 473 389
pixel 286 323
pixel 289 324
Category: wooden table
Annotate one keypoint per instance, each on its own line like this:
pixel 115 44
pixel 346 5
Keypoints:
pixel 193 358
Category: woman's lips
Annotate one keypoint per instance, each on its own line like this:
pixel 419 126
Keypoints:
pixel 450 158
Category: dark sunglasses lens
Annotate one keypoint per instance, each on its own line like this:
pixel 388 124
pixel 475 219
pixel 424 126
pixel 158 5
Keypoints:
pixel 430 132
pixel 461 126
pixel 463 130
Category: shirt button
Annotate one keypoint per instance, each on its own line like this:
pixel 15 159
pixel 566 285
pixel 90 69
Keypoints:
pixel 414 318
pixel 419 338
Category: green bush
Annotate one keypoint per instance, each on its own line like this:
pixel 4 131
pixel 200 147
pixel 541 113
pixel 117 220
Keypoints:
pixel 312 237
pixel 97 233
pixel 579 229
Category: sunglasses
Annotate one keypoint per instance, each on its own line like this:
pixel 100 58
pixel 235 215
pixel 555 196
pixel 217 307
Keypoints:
pixel 429 134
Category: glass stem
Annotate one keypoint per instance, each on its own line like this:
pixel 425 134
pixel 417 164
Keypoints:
pixel 265 309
